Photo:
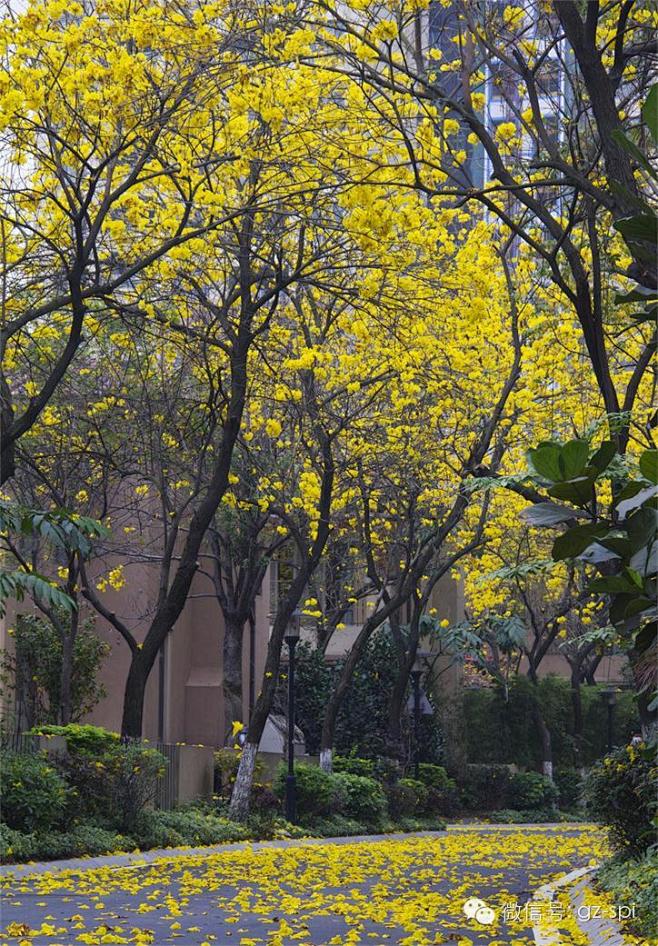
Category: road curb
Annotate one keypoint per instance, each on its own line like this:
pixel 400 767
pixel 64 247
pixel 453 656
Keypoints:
pixel 545 933
pixel 600 931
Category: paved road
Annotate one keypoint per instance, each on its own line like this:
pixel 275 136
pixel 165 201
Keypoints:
pixel 399 890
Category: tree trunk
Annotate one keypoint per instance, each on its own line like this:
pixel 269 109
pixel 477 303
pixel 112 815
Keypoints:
pixel 232 681
pixel 69 634
pixel 133 700
pixel 546 743
pixel 577 708
pixel 395 706
pixel 326 760
pixel 239 808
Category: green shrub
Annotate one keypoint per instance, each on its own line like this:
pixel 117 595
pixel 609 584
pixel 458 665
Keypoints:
pixel 533 816
pixel 314 788
pixel 635 882
pixel 133 773
pixel 421 792
pixel 34 795
pixel 358 797
pixel 528 790
pixel 185 826
pixel 226 768
pixel 570 787
pixel 406 798
pixel 621 792
pixel 86 740
pixel 442 796
pixel 16 847
pixel 485 787
pixel 263 800
pixel 354 765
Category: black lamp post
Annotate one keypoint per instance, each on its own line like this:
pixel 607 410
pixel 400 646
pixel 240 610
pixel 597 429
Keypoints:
pixel 609 696
pixel 416 672
pixel 292 637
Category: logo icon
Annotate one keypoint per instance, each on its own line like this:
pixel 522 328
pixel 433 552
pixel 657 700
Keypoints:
pixel 476 909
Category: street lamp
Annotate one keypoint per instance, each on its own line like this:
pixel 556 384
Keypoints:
pixel 609 697
pixel 416 673
pixel 291 638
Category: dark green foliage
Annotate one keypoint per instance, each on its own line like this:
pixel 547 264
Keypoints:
pixel 84 839
pixel 34 795
pixel 359 798
pixel 185 826
pixel 34 669
pixel 504 731
pixel 485 787
pixel 115 784
pixel 530 790
pixel 622 792
pixel 635 881
pixel 402 799
pixel 314 788
pixel 417 793
pixel 535 816
pixel 362 724
pixel 570 787
pixel 442 794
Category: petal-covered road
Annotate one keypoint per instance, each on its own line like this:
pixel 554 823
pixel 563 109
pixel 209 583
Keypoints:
pixel 401 890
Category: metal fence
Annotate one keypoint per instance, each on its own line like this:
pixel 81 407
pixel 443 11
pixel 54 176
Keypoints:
pixel 19 742
pixel 166 788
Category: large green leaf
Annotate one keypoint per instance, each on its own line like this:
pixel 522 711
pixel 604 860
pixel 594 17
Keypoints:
pixel 548 514
pixel 650 112
pixel 643 227
pixel 575 540
pixel 603 457
pixel 649 464
pixel 577 491
pixel 573 458
pixel 545 460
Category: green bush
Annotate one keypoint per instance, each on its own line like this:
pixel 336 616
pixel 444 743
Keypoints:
pixel 185 826
pixel 85 839
pixel 530 790
pixel 442 796
pixel 406 798
pixel 421 792
pixel 485 787
pixel 116 785
pixel 533 816
pixel 226 768
pixel 570 787
pixel 314 788
pixel 354 765
pixel 636 882
pixel 34 795
pixel 358 797
pixel 621 791
pixel 86 740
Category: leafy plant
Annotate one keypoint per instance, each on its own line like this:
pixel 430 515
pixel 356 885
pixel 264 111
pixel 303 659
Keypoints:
pixel 358 797
pixel 528 790
pixel 82 738
pixel 314 788
pixel 34 795
pixel 621 791
pixel 34 669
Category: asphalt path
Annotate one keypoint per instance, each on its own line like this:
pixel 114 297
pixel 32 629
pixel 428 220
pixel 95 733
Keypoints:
pixel 403 890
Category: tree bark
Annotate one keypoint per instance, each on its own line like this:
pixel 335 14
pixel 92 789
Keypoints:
pixel 577 709
pixel 133 702
pixel 66 678
pixel 232 673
